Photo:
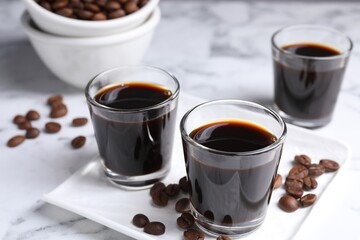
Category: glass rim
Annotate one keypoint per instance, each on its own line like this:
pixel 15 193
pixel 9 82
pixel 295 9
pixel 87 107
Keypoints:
pixel 274 114
pixel 310 26
pixel 173 96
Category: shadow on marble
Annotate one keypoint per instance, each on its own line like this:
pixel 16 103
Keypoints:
pixel 22 70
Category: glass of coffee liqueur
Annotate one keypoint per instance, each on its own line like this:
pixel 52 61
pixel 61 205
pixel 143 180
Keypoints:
pixel 232 150
pixel 133 111
pixel 309 67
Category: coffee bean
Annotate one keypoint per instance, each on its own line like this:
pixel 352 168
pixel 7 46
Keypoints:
pixel 32 115
pixel 32 133
pixel 116 14
pixel 19 119
pixel 84 14
pixel 99 16
pixel 295 191
pixel 92 7
pixel 77 122
pixel 101 3
pixel 303 159
pixel 288 203
pixel 172 190
pixel 131 7
pixel 78 142
pixel 308 200
pixel 316 170
pixel 278 181
pixel 59 4
pixel 58 111
pixel 76 4
pixel 182 205
pixel 160 198
pixel 54 100
pixel 65 12
pixel 223 238
pixel 193 234
pixel 310 183
pixel 15 141
pixel 46 5
pixel 184 185
pixel 24 125
pixel 185 221
pixel 329 165
pixel 140 220
pixel 298 171
pixel 227 220
pixel 143 3
pixel 155 228
pixel 52 127
pixel 294 182
pixel 112 6
pixel 157 187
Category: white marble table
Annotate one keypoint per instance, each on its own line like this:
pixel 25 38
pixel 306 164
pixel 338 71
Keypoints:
pixel 217 50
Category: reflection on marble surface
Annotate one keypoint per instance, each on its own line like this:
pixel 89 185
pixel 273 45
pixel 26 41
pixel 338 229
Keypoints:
pixel 217 49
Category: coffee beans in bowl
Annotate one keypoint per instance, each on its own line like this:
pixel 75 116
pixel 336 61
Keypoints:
pixel 89 18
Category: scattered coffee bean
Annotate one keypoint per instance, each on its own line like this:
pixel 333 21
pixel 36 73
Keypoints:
pixel 308 200
pixel 172 190
pixel 310 183
pixel 223 238
pixel 185 221
pixel 54 100
pixel 32 115
pixel 298 171
pixel 294 182
pixel 78 142
pixel 316 170
pixel 58 111
pixel 288 203
pixel 24 125
pixel 78 122
pixel 295 191
pixel 329 165
pixel 182 205
pixel 52 127
pixel 193 234
pixel 160 198
pixel 19 119
pixel 32 132
pixel 184 185
pixel 140 220
pixel 157 187
pixel 155 228
pixel 278 181
pixel 303 159
pixel 15 141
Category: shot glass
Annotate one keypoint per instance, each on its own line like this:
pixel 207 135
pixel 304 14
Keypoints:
pixel 232 150
pixel 309 66
pixel 133 111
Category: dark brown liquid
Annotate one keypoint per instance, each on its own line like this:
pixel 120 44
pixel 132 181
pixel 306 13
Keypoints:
pixel 309 91
pixel 237 189
pixel 136 146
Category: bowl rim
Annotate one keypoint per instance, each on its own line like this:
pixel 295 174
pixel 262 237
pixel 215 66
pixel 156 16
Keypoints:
pixel 85 24
pixel 150 23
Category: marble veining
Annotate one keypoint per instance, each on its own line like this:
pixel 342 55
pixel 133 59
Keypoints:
pixel 217 49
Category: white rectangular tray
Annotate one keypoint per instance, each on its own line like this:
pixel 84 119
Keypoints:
pixel 89 194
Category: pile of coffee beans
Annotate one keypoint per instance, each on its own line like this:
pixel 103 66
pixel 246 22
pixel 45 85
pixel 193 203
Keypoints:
pixel 97 10
pixel 302 177
pixel 161 195
pixel 58 109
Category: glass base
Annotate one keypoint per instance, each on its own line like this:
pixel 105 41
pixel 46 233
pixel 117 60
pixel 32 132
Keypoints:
pixel 135 182
pixel 215 230
pixel 306 123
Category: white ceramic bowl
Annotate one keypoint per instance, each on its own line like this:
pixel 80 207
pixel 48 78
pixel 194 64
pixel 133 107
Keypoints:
pixel 63 26
pixel 77 60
